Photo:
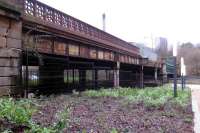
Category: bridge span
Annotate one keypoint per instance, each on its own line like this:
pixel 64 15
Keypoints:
pixel 43 49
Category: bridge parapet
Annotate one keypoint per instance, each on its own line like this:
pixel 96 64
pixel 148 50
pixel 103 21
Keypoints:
pixel 37 11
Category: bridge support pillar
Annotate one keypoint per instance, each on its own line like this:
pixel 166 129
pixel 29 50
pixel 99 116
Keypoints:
pixel 10 53
pixel 116 75
pixel 141 77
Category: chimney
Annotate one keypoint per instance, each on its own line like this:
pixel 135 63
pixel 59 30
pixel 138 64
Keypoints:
pixel 104 21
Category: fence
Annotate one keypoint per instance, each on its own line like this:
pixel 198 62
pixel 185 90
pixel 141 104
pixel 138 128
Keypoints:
pixel 56 81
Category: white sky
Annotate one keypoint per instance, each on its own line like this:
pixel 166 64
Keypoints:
pixel 137 20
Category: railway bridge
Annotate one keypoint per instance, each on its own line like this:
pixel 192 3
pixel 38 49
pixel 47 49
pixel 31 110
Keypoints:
pixel 45 50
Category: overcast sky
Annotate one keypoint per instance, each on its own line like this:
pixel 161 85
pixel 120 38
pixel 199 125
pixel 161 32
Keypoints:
pixel 138 20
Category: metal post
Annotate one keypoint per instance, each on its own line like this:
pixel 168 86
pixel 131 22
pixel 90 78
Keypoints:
pixel 68 75
pixel 141 77
pixel 73 76
pixel 175 78
pixel 182 82
pixel 27 75
pixel 21 79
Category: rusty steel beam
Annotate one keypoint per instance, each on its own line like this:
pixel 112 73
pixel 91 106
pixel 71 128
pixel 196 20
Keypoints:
pixel 64 35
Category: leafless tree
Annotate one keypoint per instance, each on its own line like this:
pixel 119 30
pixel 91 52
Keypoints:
pixel 191 55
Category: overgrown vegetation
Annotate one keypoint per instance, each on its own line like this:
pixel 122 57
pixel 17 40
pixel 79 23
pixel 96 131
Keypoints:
pixel 104 110
pixel 15 113
pixel 155 96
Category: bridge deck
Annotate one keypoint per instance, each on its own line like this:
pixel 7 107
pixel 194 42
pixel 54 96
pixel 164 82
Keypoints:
pixel 41 16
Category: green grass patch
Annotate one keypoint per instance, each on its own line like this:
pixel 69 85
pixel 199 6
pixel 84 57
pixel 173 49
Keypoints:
pixel 151 96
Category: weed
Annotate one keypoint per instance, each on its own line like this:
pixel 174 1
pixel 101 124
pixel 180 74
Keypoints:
pixel 188 119
pixel 84 131
pixel 19 112
pixel 169 114
pixel 38 129
pixel 75 92
pixel 150 96
pixel 7 131
pixel 113 131
pixel 63 120
pixel 56 128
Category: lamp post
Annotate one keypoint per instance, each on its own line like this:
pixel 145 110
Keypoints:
pixel 175 70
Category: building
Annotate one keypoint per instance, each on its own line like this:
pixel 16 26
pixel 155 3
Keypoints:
pixel 162 47
pixel 147 52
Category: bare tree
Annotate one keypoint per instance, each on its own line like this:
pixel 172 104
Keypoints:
pixel 191 54
pixel 162 47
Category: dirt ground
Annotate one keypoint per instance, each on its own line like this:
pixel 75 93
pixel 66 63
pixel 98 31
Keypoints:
pixel 106 114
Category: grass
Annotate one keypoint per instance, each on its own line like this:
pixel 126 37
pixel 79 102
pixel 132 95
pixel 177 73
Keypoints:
pixel 150 96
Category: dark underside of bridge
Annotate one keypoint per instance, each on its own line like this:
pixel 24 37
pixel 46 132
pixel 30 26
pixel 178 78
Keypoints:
pixel 48 71
pixel 60 74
